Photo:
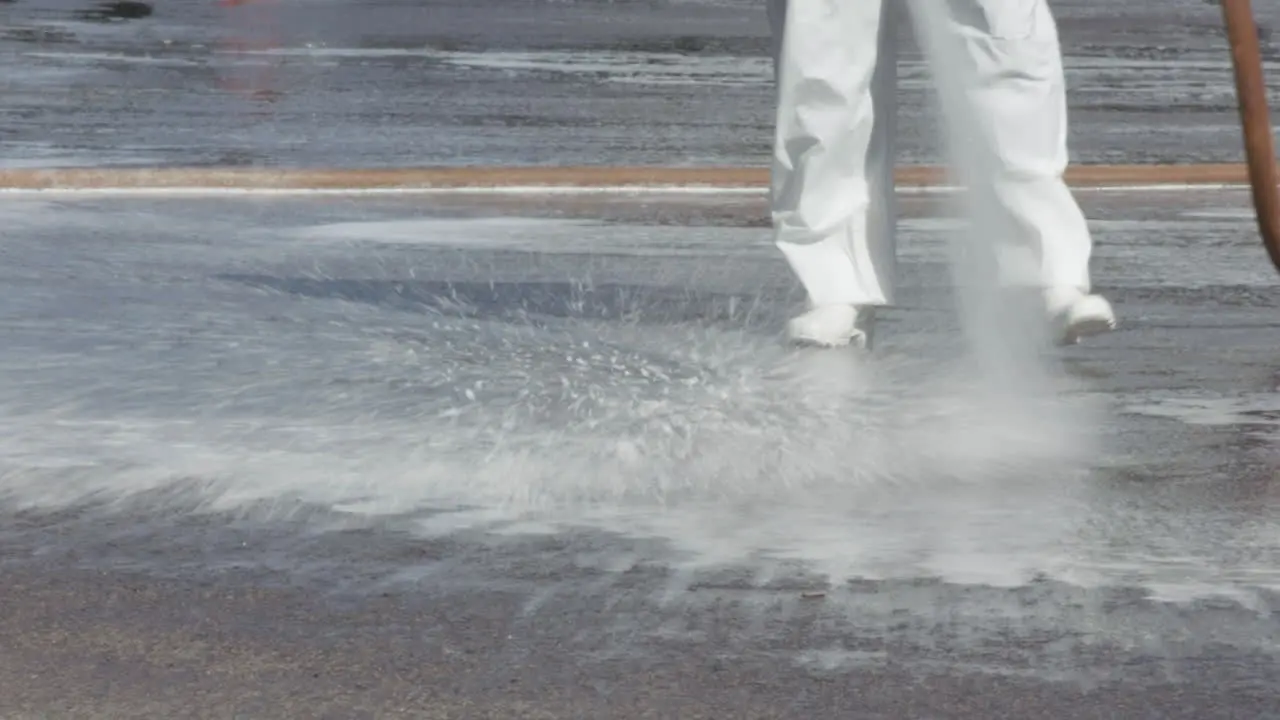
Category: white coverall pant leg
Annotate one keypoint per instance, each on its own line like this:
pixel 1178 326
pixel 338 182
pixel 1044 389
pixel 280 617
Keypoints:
pixel 832 200
pixel 832 192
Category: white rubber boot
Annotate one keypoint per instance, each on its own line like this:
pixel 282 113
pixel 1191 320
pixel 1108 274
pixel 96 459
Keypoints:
pixel 1074 315
pixel 834 326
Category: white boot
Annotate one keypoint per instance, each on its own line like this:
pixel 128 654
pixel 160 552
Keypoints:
pixel 1074 315
pixel 834 326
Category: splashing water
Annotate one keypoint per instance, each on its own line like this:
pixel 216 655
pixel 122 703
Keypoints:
pixel 723 443
pixel 720 442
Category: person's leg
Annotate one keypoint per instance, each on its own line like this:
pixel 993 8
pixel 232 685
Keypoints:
pixel 999 66
pixel 832 195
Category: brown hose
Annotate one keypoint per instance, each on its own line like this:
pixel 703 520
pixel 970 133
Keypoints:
pixel 1259 146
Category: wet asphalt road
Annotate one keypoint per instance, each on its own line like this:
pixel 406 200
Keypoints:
pixel 319 458
pixel 469 456
pixel 531 83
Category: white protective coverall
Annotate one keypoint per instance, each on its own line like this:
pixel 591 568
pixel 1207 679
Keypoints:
pixel 1004 97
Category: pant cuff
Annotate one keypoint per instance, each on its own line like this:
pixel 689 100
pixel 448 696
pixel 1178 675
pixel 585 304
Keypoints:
pixel 829 275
